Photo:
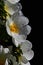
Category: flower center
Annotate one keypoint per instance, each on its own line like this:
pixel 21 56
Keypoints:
pixel 14 28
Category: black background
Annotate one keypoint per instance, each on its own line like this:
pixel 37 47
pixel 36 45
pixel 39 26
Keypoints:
pixel 30 10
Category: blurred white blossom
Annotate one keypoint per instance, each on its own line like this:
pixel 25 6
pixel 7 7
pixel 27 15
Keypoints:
pixel 18 28
pixel 12 9
pixel 13 1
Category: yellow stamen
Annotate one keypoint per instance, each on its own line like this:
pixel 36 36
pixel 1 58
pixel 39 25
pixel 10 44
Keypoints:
pixel 6 8
pixel 20 59
pixel 14 28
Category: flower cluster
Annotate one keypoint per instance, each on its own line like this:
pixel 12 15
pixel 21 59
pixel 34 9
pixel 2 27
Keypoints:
pixel 17 27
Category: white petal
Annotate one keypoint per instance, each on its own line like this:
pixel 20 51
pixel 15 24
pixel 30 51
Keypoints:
pixel 15 42
pixel 25 46
pixel 22 20
pixel 25 64
pixel 28 29
pixel 7 29
pixel 6 63
pixel 6 50
pixel 13 1
pixel 24 60
pixel 29 54
pixel 20 38
pixel 20 13
pixel 17 39
pixel 12 9
pixel 8 8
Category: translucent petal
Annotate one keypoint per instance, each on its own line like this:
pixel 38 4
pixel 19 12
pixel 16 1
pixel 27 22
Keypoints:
pixel 24 60
pixel 17 39
pixel 13 1
pixel 25 46
pixel 26 30
pixel 22 20
pixel 28 55
pixel 25 64
pixel 20 13
pixel 7 29
pixel 11 9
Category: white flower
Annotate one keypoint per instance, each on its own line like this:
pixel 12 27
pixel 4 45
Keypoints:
pixel 28 54
pixel 26 49
pixel 18 28
pixel 13 1
pixel 26 57
pixel 22 59
pixel 26 46
pixel 12 9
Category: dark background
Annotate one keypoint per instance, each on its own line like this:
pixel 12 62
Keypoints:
pixel 30 10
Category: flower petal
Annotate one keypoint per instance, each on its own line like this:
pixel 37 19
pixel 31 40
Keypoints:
pixel 25 64
pixel 15 42
pixel 21 20
pixel 17 39
pixel 26 30
pixel 24 60
pixel 25 46
pixel 7 29
pixel 6 63
pixel 13 1
pixel 8 8
pixel 6 50
pixel 29 54
pixel 11 9
pixel 20 13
